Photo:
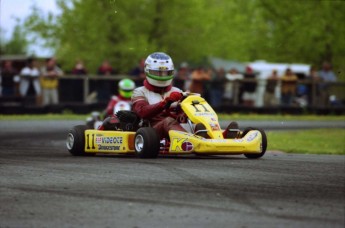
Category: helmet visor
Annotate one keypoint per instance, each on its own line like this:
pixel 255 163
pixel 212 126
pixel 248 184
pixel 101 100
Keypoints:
pixel 161 72
pixel 126 93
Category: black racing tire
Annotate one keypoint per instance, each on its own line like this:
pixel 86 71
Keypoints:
pixel 146 143
pixel 90 124
pixel 75 141
pixel 263 145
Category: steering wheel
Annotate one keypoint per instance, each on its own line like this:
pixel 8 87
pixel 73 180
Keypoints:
pixel 176 116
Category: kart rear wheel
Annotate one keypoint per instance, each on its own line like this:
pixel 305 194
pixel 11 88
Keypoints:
pixel 146 143
pixel 76 140
pixel 263 144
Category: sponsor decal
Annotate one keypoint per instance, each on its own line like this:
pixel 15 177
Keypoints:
pixel 181 144
pixel 213 119
pixel 252 136
pixel 100 147
pixel 204 114
pixel 214 127
pixel 187 146
pixel 238 140
pixel 217 140
pixel 98 140
pixel 109 140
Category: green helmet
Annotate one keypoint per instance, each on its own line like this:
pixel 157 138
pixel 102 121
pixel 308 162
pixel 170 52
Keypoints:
pixel 126 87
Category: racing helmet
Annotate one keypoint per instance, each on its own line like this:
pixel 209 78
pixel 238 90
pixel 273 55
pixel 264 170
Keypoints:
pixel 126 87
pixel 159 69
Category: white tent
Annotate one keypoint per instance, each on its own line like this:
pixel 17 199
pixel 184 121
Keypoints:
pixel 264 68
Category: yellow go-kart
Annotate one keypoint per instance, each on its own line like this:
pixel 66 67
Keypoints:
pixel 130 135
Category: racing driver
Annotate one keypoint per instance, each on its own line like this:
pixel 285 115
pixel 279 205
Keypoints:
pixel 117 103
pixel 157 94
pixel 123 100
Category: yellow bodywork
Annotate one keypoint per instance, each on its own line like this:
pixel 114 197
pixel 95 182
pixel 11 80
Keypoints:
pixel 119 142
pixel 185 143
pixel 199 111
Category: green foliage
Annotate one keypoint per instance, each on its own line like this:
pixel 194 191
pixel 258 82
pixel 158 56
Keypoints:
pixel 126 31
pixel 17 44
pixel 305 31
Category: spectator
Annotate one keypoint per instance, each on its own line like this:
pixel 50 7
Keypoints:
pixel 79 68
pixel 75 85
pixel 231 84
pixel 182 76
pixel 248 88
pixel 270 98
pixel 30 75
pixel 327 74
pixel 199 77
pixel 49 82
pixel 139 73
pixel 217 88
pixel 288 87
pixel 313 89
pixel 102 86
pixel 327 77
pixel 301 91
pixel 9 79
pixel 105 68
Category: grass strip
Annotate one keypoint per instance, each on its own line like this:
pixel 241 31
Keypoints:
pixel 279 117
pixel 315 141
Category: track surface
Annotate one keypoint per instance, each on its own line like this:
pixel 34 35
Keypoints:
pixel 41 185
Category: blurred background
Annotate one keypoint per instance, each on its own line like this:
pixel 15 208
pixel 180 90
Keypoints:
pixel 264 56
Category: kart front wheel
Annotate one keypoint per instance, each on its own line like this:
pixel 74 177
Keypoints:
pixel 146 143
pixel 263 145
pixel 76 140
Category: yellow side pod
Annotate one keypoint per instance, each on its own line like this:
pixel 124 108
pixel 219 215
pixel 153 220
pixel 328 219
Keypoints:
pixel 185 143
pixel 118 142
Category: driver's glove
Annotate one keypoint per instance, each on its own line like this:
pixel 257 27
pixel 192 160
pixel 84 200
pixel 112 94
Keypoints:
pixel 173 97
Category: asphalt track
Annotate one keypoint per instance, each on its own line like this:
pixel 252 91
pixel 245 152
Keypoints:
pixel 42 185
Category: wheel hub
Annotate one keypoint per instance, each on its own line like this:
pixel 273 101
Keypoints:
pixel 139 143
pixel 70 141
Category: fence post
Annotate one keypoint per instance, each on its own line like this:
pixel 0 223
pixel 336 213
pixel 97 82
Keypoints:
pixel 86 88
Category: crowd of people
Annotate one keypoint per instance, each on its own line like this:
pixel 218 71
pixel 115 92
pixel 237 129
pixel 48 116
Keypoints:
pixel 217 86
pixel 45 80
pixel 241 88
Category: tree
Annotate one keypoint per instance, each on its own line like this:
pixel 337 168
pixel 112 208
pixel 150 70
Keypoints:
pixel 126 31
pixel 306 31
pixel 17 44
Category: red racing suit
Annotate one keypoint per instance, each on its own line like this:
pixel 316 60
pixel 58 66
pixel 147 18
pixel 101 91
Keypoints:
pixel 116 104
pixel 148 103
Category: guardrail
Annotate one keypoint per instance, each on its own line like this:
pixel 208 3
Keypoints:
pixel 79 90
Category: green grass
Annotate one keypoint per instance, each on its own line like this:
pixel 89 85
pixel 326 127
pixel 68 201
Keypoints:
pixel 279 117
pixel 316 141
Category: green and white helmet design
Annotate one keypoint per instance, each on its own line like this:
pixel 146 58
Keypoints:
pixel 159 69
pixel 126 87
